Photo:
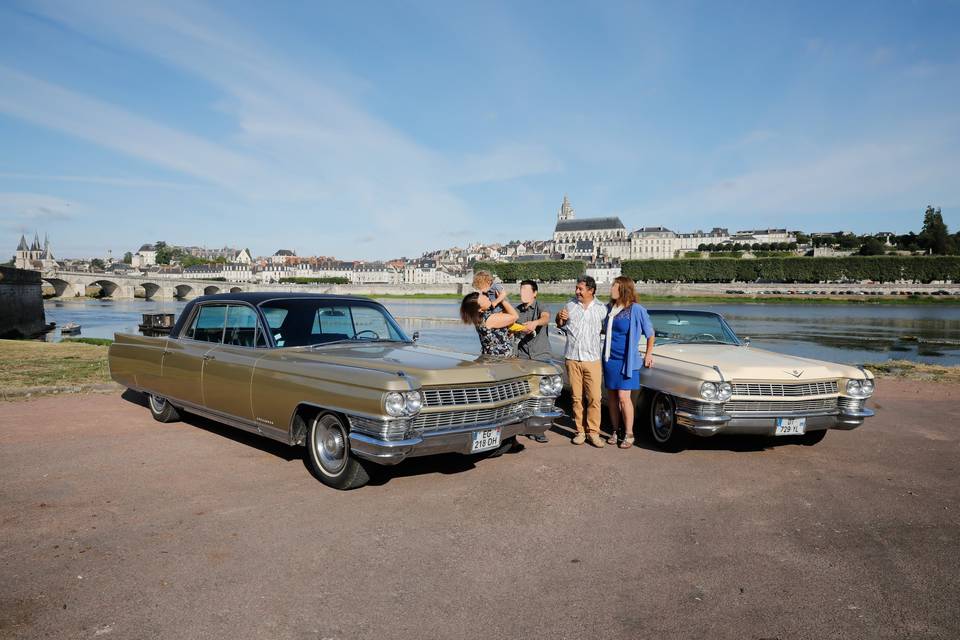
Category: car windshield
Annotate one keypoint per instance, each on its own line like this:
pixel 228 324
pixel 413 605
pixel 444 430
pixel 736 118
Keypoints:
pixel 303 322
pixel 673 327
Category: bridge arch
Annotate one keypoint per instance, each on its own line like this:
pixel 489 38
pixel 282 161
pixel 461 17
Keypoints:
pixel 210 290
pixel 150 289
pixel 61 287
pixel 107 287
pixel 235 290
pixel 182 291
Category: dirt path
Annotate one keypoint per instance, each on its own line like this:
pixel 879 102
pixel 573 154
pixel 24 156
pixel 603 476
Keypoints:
pixel 113 525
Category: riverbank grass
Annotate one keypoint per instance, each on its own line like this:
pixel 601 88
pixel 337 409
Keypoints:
pixel 915 371
pixel 33 367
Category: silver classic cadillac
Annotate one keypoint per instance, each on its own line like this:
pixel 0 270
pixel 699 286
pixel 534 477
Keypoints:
pixel 706 381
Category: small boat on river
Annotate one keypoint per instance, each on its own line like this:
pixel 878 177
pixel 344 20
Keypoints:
pixel 156 324
pixel 70 328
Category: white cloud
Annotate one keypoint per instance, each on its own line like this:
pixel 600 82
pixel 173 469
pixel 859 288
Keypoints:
pixel 301 143
pixel 854 178
pixel 106 180
pixel 23 212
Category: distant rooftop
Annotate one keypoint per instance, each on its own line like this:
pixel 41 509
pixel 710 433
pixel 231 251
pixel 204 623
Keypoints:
pixel 589 224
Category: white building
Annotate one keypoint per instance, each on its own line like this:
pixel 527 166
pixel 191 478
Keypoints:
pixel 375 273
pixel 280 257
pixel 146 256
pixel 653 243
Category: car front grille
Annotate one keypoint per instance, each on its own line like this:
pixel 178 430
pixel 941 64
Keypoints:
pixel 450 420
pixel 700 408
pixel 785 390
pixel 454 396
pixel 851 405
pixel 781 407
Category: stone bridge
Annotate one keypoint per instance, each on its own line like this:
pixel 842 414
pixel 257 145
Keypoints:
pixel 68 284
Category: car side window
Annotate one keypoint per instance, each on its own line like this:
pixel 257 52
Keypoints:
pixel 241 329
pixel 207 325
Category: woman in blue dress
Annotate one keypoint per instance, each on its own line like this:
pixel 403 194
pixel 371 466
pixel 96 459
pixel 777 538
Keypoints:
pixel 627 324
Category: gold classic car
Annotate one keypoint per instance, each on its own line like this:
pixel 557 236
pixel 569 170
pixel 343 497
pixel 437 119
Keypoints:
pixel 706 380
pixel 336 374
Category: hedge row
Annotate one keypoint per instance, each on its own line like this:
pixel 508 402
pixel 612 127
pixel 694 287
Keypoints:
pixel 324 280
pixel 545 271
pixel 809 270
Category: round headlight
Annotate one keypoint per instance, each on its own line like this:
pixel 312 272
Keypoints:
pixel 708 391
pixel 854 388
pixel 867 387
pixel 394 404
pixel 557 384
pixel 551 385
pixel 413 401
pixel 724 391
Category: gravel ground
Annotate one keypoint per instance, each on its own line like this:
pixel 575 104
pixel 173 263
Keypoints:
pixel 113 525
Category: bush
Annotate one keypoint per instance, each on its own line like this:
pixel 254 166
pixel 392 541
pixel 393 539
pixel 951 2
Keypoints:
pixel 324 280
pixel 545 271
pixel 692 254
pixel 792 269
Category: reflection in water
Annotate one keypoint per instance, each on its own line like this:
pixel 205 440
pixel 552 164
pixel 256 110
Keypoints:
pixel 851 333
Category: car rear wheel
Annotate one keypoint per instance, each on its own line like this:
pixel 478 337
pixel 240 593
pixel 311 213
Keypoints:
pixel 328 453
pixel 161 409
pixel 663 428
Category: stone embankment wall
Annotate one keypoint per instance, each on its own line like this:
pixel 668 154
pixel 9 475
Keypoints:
pixel 21 303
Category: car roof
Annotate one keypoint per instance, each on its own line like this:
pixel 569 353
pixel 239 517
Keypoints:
pixel 256 297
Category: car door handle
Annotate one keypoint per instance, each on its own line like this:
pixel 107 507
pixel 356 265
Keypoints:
pixel 167 352
pixel 207 356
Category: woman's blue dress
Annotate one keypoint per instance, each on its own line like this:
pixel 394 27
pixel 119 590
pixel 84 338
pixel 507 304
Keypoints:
pixel 612 378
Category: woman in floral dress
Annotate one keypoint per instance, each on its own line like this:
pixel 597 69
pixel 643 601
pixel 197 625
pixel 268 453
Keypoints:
pixel 491 326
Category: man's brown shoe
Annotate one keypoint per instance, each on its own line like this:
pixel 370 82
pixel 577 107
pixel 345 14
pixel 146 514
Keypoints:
pixel 597 441
pixel 580 438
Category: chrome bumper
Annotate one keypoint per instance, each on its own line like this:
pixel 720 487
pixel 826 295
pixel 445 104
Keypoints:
pixel 766 423
pixel 389 452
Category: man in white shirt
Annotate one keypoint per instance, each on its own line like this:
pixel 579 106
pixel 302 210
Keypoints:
pixel 582 320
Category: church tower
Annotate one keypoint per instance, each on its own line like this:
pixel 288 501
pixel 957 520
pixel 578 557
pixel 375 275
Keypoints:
pixel 22 258
pixel 566 210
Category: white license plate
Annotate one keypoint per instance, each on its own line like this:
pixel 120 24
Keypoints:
pixel 791 426
pixel 485 439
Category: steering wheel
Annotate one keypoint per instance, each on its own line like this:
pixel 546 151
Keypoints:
pixel 376 336
pixel 708 335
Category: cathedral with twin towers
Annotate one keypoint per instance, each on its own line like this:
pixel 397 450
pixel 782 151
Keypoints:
pixel 34 256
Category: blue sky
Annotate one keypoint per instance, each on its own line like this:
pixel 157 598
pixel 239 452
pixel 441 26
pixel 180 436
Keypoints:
pixel 374 129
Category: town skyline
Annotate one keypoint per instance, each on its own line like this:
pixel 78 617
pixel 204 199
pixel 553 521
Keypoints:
pixel 123 122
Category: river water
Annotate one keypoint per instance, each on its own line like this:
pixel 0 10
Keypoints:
pixel 854 334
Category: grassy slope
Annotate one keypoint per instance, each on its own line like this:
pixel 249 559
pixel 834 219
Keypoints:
pixel 29 364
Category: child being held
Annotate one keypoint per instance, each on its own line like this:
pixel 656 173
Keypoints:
pixel 483 282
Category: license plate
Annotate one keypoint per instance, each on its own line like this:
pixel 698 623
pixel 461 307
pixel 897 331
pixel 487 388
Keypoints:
pixel 485 439
pixel 791 426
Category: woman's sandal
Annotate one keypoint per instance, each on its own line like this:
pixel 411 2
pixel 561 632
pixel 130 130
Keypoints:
pixel 627 442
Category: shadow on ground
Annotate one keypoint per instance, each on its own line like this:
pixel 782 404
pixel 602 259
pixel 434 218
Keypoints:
pixel 453 463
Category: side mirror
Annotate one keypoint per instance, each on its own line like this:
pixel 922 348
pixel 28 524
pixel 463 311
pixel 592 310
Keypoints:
pixel 416 336
pixel 746 341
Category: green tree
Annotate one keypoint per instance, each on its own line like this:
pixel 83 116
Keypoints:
pixel 97 263
pixel 127 257
pixel 871 247
pixel 934 236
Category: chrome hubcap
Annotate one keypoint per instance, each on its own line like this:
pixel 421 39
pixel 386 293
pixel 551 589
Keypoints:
pixel 662 419
pixel 330 444
pixel 158 404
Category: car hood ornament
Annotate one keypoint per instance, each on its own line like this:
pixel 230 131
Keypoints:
pixel 796 373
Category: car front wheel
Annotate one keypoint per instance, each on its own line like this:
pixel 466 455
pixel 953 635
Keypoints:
pixel 664 431
pixel 161 409
pixel 328 453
